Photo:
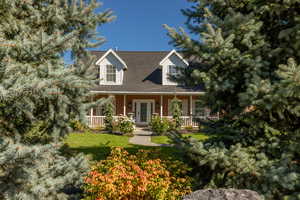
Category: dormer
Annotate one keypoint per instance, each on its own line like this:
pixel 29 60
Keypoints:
pixel 171 65
pixel 111 68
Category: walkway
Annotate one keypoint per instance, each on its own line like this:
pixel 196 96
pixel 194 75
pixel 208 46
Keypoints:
pixel 142 136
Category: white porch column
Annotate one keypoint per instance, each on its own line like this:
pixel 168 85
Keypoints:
pixel 124 105
pixel 161 106
pixel 191 105
pixel 191 110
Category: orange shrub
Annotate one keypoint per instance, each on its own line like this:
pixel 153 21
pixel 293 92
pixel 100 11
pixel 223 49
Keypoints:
pixel 137 177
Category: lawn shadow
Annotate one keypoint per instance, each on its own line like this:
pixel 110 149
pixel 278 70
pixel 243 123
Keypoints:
pixel 101 152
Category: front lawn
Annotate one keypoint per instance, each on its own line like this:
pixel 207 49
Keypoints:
pixel 166 140
pixel 98 145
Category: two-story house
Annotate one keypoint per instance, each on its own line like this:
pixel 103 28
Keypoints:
pixel 140 82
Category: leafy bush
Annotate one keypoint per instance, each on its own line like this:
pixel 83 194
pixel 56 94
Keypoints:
pixel 78 126
pixel 125 125
pixel 124 176
pixel 189 128
pixel 159 126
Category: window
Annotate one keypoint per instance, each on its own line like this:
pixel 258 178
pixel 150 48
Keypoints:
pixel 199 110
pixel 173 70
pixel 111 72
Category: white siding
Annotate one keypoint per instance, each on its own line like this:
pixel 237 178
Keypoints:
pixel 172 60
pixel 110 59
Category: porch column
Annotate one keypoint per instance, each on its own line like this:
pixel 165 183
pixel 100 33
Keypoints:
pixel 124 105
pixel 161 106
pixel 191 110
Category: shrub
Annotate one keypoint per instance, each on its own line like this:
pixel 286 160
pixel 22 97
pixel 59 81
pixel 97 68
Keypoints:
pixel 159 126
pixel 99 128
pixel 124 176
pixel 78 126
pixel 189 128
pixel 177 112
pixel 108 112
pixel 125 125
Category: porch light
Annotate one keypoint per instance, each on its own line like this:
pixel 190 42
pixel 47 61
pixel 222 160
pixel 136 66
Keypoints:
pixel 129 105
pixel 157 105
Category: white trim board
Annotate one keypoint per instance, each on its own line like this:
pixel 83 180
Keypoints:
pixel 115 54
pixel 171 53
pixel 144 93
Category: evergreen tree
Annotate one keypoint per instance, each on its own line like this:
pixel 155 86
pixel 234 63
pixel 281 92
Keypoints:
pixel 176 113
pixel 40 94
pixel 109 115
pixel 246 56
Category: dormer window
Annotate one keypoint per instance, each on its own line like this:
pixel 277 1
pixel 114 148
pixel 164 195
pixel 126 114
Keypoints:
pixel 173 70
pixel 111 72
pixel 171 67
pixel 111 68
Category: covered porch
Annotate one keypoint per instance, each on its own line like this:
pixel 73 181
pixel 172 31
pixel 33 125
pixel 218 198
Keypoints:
pixel 141 107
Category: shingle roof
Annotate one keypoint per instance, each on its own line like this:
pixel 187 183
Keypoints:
pixel 143 74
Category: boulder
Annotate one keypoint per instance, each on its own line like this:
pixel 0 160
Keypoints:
pixel 223 194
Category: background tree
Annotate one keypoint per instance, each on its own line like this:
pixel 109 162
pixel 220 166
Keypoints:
pixel 246 54
pixel 40 94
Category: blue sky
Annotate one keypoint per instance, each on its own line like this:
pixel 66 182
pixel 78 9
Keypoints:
pixel 138 26
pixel 139 23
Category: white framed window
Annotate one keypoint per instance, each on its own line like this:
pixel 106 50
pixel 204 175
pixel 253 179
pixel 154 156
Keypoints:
pixel 173 70
pixel 111 73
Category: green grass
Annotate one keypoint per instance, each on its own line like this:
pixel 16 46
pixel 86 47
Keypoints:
pixel 98 145
pixel 166 140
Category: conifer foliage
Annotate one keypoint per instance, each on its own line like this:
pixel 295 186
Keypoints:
pixel 247 56
pixel 40 94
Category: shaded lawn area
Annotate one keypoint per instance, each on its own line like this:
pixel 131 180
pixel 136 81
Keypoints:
pixel 98 145
pixel 166 140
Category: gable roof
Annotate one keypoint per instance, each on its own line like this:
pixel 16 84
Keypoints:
pixel 143 74
pixel 170 54
pixel 110 51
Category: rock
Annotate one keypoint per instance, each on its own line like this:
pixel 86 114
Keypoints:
pixel 223 194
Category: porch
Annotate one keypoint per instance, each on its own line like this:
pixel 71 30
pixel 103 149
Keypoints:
pixel 141 107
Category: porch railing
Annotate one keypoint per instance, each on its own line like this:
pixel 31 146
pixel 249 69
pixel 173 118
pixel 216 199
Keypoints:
pixel 96 121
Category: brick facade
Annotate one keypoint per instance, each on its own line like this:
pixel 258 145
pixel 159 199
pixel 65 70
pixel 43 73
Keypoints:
pixel 119 102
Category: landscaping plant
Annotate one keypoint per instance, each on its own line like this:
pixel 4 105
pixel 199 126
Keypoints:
pixel 40 94
pixel 176 113
pixel 159 126
pixel 109 115
pixel 126 125
pixel 125 176
pixel 247 58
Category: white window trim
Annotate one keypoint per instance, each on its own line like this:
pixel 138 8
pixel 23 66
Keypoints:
pixel 98 62
pixel 171 53
pixel 115 73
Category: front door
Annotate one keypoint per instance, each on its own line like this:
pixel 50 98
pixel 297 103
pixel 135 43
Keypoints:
pixel 143 111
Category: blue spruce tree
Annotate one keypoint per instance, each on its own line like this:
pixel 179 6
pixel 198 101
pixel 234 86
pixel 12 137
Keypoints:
pixel 247 56
pixel 40 94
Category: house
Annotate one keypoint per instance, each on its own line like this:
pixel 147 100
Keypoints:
pixel 140 82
